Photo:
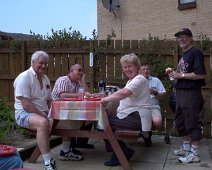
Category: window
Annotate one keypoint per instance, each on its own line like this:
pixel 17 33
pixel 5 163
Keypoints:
pixel 186 4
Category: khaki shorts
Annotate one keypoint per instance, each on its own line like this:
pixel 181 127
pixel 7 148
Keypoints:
pixel 156 112
pixel 146 119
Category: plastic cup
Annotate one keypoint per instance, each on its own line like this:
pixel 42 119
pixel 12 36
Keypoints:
pixel 81 93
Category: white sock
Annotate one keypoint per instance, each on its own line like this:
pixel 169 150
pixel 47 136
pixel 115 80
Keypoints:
pixel 46 157
pixel 195 150
pixel 66 146
pixel 186 145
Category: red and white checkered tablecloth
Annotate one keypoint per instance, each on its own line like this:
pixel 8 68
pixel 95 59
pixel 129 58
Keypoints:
pixel 77 110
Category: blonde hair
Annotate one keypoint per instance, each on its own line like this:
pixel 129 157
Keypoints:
pixel 130 58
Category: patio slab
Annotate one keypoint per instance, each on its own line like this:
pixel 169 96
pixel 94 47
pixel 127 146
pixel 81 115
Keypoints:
pixel 159 156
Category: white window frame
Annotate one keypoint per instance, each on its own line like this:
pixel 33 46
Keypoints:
pixel 186 4
pixel 186 1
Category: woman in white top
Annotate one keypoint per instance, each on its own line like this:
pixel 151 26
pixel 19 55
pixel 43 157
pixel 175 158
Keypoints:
pixel 133 112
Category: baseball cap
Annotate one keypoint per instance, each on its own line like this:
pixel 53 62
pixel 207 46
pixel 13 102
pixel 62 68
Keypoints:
pixel 184 31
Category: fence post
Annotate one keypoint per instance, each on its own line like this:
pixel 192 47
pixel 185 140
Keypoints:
pixel 176 54
pixel 23 56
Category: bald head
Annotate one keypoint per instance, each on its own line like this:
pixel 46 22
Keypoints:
pixel 75 67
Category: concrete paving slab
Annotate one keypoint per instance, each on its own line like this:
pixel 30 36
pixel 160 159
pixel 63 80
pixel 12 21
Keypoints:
pixel 159 156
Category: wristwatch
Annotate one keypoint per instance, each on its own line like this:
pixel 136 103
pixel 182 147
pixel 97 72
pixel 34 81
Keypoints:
pixel 183 75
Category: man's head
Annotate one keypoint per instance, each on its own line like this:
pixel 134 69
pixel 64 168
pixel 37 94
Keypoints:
pixel 39 62
pixel 145 70
pixel 184 31
pixel 185 38
pixel 76 72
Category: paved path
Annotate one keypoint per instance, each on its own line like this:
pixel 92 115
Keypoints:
pixel 157 157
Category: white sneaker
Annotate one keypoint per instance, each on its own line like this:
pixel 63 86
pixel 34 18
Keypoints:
pixel 181 152
pixel 190 158
pixel 51 165
pixel 65 156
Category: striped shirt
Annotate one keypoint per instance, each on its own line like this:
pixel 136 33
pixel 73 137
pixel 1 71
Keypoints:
pixel 64 85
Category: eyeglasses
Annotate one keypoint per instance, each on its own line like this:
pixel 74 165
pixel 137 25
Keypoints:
pixel 80 70
pixel 182 37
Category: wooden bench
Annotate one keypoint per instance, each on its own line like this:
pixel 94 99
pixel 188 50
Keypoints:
pixel 127 135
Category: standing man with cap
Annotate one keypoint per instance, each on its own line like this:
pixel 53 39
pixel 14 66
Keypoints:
pixel 190 77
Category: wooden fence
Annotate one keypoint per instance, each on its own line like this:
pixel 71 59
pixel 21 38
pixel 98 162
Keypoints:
pixel 15 58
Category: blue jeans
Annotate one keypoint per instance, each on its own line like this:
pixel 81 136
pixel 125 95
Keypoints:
pixel 11 161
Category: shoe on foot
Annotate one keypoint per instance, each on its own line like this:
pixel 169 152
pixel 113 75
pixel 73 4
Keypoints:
pixel 129 153
pixel 147 140
pixel 51 165
pixel 65 156
pixel 113 161
pixel 190 158
pixel 180 152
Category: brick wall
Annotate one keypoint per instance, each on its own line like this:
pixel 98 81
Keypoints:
pixel 136 19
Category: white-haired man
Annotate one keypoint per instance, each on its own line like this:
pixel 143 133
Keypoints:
pixel 33 99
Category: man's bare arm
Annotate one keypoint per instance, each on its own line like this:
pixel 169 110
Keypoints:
pixel 29 107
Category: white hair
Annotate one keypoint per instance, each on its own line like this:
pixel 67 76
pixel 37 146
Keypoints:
pixel 38 54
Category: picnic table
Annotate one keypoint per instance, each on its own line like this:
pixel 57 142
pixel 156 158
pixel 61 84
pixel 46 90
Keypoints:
pixel 81 111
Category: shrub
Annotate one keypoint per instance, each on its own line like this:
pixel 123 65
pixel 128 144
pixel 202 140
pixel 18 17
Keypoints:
pixel 7 119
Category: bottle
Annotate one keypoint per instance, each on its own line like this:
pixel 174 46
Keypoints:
pixel 107 90
pixel 81 93
pixel 102 88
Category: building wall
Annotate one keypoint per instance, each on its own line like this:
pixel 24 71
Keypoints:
pixel 136 19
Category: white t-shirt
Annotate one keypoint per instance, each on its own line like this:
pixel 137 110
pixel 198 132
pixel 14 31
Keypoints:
pixel 139 99
pixel 155 83
pixel 27 85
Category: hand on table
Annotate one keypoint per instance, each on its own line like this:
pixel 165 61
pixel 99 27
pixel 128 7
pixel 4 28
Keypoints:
pixel 88 94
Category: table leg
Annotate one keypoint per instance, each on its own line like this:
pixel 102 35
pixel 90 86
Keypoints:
pixel 115 144
pixel 35 154
pixel 119 153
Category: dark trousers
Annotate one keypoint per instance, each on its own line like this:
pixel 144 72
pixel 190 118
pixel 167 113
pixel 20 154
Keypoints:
pixel 81 141
pixel 131 122
pixel 188 107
